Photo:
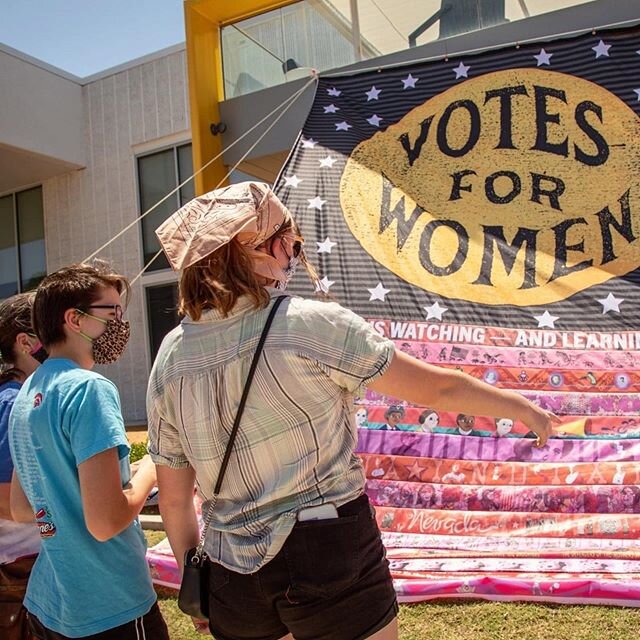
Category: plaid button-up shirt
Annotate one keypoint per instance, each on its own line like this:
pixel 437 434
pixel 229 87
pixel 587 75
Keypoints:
pixel 297 435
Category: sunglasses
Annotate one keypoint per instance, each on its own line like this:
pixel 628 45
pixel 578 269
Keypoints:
pixel 116 308
pixel 298 243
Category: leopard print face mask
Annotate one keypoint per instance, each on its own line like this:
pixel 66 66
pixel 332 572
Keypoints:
pixel 111 343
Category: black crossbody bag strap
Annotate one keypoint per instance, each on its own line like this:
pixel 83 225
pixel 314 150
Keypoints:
pixel 193 597
pixel 236 423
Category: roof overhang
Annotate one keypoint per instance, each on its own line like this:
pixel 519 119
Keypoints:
pixel 41 121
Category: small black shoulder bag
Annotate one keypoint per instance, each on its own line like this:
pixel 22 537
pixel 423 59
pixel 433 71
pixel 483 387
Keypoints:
pixel 193 598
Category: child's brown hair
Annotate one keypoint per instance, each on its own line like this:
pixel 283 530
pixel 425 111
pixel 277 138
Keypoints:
pixel 73 287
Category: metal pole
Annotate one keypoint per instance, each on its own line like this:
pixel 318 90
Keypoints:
pixel 355 30
pixel 524 8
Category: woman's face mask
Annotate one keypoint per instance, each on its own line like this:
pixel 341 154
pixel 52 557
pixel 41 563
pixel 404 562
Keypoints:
pixel 111 343
pixel 288 273
pixel 294 261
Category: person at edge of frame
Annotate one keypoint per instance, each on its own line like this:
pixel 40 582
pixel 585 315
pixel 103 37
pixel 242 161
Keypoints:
pixel 21 353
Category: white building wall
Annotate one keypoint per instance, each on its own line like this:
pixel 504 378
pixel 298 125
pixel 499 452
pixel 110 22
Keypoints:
pixel 132 110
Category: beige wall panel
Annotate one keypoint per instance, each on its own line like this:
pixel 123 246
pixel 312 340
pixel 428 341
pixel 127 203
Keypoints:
pixel 163 92
pixel 149 102
pixel 136 107
pixel 179 91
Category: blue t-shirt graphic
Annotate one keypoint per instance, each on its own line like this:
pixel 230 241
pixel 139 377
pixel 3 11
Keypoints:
pixel 62 416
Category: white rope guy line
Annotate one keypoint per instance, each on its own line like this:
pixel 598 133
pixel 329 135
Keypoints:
pixel 291 99
pixel 460 54
pixel 236 165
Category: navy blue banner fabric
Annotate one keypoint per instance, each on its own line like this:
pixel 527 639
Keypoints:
pixel 502 187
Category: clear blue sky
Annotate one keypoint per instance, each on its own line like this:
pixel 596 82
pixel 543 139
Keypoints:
pixel 87 36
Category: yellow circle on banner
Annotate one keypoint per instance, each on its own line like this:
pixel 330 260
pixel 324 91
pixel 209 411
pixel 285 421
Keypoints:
pixel 517 187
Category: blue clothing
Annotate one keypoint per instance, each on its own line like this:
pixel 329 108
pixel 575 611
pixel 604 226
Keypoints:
pixel 64 415
pixel 16 540
pixel 8 393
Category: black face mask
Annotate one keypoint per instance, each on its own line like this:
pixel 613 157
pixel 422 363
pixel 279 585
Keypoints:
pixel 39 353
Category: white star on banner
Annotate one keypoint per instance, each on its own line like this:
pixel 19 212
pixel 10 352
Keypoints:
pixel 374 120
pixel 309 144
pixel 315 203
pixel 543 57
pixel 331 108
pixel 324 284
pixel 435 311
pixel 610 303
pixel 637 94
pixel 326 246
pixel 409 82
pixel 328 161
pixel 334 92
pixel 601 49
pixel 461 70
pixel 378 292
pixel 546 320
pixel 292 181
pixel 343 126
pixel 372 94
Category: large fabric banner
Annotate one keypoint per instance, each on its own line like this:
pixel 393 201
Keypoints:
pixel 483 211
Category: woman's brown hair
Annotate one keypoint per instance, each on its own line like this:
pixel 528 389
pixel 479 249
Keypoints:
pixel 217 281
pixel 15 318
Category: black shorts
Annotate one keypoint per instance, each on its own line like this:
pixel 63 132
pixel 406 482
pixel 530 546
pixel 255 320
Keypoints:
pixel 330 581
pixel 151 626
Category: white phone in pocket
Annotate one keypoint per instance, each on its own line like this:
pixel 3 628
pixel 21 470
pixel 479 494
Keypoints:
pixel 325 511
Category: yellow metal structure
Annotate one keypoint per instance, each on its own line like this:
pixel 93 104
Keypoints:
pixel 203 22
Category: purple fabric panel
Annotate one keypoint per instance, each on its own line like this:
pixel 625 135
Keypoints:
pixel 438 445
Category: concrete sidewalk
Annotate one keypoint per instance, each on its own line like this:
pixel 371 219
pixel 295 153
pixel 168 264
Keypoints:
pixel 152 522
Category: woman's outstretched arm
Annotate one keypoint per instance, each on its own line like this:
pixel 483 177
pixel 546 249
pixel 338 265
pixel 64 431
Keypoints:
pixel 449 390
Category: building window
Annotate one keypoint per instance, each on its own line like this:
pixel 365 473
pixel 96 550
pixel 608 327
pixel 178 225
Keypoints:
pixel 282 44
pixel 162 313
pixel 22 250
pixel 265 50
pixel 160 173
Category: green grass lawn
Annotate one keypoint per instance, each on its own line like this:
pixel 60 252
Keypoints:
pixel 474 620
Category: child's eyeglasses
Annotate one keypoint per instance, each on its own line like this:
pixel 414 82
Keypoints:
pixel 116 308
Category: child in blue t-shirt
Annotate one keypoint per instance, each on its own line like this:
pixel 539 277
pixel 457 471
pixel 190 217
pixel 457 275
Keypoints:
pixel 72 475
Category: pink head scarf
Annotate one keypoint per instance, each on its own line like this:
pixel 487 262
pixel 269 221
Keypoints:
pixel 248 211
